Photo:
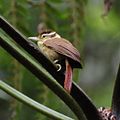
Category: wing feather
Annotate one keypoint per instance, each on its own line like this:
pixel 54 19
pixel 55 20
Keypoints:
pixel 64 47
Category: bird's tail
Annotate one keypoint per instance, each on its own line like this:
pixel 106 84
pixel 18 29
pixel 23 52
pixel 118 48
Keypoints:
pixel 68 77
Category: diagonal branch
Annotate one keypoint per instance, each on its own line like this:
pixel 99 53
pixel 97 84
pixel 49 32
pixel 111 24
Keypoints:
pixel 80 97
pixel 116 96
pixel 37 106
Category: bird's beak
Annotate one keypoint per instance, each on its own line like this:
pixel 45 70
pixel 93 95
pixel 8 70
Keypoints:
pixel 33 38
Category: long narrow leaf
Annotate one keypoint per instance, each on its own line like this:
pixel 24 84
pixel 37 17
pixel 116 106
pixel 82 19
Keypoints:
pixel 37 106
pixel 81 98
pixel 116 96
pixel 37 70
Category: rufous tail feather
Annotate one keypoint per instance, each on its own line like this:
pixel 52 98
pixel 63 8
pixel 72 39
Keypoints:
pixel 68 77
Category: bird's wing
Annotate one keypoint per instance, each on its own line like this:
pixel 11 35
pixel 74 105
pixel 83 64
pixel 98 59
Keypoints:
pixel 64 47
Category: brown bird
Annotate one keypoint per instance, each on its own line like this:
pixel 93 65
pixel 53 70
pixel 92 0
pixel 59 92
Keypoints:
pixel 61 52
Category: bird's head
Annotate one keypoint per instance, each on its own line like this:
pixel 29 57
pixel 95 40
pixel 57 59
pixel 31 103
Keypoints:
pixel 45 35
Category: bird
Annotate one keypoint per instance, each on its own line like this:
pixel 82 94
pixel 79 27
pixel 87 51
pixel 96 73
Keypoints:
pixel 61 52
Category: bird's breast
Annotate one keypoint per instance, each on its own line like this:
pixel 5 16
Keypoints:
pixel 50 53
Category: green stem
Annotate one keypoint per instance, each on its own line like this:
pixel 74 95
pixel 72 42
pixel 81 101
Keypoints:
pixel 26 100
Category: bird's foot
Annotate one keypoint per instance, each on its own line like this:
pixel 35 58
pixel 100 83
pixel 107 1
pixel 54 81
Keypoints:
pixel 59 67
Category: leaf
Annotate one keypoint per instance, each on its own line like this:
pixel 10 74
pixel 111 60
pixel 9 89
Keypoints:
pixel 116 96
pixel 33 104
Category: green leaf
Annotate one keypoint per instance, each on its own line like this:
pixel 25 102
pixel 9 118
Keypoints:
pixel 33 104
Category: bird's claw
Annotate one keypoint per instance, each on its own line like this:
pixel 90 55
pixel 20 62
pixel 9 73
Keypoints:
pixel 59 67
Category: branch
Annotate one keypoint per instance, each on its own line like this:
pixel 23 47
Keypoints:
pixel 40 73
pixel 35 105
pixel 116 96
pixel 80 97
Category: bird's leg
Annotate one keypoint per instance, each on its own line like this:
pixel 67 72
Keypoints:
pixel 68 77
pixel 59 67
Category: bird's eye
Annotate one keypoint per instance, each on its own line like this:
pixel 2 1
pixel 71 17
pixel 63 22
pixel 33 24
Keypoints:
pixel 43 36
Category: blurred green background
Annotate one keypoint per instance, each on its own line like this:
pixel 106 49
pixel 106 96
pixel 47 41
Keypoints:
pixel 80 21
